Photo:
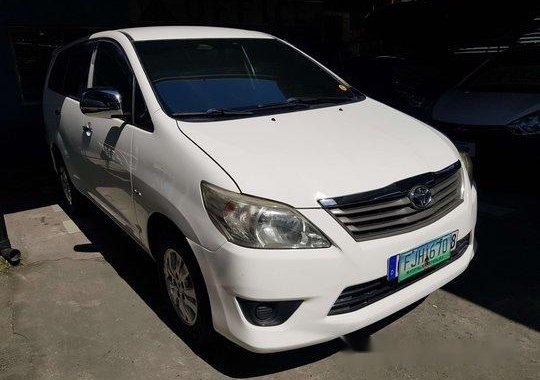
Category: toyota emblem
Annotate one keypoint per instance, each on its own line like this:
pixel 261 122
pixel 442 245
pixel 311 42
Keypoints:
pixel 420 197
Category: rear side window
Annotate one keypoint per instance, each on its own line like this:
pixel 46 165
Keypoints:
pixel 58 72
pixel 77 70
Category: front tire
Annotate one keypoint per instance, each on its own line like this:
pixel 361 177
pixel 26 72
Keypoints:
pixel 185 290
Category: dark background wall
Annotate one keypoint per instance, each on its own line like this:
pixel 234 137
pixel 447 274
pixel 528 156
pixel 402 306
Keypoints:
pixel 29 31
pixel 401 52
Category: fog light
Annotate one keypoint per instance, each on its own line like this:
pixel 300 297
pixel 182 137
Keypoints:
pixel 267 313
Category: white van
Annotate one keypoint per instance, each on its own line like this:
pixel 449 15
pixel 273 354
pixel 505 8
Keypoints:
pixel 282 206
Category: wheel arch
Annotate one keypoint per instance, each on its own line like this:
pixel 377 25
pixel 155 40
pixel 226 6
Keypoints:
pixel 158 225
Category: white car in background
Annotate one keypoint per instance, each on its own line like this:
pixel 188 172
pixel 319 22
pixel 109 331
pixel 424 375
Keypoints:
pixel 283 207
pixel 496 108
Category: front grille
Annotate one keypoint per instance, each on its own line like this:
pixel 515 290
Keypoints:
pixel 358 296
pixel 389 211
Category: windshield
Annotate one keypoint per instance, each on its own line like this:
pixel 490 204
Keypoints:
pixel 517 71
pixel 216 78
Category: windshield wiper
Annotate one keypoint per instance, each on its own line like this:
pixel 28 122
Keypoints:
pixel 212 112
pixel 323 99
pixel 289 103
pixel 294 102
pixel 304 102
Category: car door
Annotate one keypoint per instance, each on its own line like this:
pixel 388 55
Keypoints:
pixel 107 142
pixel 68 79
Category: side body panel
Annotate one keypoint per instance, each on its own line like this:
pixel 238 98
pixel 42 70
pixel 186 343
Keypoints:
pixel 167 173
pixel 107 166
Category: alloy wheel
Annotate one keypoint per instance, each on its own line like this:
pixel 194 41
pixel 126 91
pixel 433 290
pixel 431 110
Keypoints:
pixel 180 287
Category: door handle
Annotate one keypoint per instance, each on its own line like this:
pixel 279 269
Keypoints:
pixel 87 130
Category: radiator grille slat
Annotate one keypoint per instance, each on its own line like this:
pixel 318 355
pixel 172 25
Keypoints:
pixel 380 206
pixel 446 191
pixel 417 217
pixel 444 184
pixel 378 216
pixel 389 211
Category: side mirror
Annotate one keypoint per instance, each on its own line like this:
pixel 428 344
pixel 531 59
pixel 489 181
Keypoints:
pixel 104 103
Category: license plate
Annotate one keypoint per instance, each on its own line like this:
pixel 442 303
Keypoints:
pixel 408 264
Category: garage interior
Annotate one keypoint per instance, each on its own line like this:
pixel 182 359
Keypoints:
pixel 75 307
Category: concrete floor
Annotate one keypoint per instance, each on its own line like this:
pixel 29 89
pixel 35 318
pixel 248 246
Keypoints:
pixel 84 304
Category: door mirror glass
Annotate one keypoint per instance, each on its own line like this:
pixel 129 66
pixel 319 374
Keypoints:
pixel 102 103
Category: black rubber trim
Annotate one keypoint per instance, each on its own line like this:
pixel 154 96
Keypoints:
pixel 393 191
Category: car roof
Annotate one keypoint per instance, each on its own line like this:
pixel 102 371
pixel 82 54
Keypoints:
pixel 149 33
pixel 189 32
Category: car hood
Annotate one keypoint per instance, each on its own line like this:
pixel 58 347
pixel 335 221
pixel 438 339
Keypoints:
pixel 484 108
pixel 301 157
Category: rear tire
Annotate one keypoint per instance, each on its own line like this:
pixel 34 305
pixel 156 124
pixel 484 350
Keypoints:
pixel 184 287
pixel 72 199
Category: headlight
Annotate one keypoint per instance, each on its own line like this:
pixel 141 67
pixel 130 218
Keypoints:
pixel 259 223
pixel 528 125
pixel 467 165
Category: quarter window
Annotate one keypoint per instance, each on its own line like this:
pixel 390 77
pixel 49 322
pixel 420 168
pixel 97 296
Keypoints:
pixel 141 116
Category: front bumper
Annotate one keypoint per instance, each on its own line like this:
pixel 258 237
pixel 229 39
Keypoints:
pixel 318 276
